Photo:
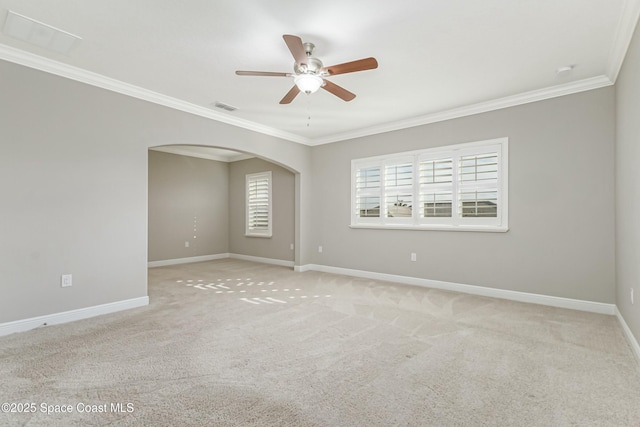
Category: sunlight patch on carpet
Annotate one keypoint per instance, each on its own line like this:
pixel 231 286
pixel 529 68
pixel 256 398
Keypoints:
pixel 226 286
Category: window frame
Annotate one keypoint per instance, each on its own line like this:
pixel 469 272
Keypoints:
pixel 254 232
pixel 456 222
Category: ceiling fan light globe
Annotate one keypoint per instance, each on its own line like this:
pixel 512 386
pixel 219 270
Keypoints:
pixel 308 83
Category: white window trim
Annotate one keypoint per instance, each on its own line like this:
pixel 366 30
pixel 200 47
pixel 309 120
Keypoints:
pixel 254 232
pixel 498 224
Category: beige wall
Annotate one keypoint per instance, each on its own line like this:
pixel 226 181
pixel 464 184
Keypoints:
pixel 561 198
pixel 188 202
pixel 628 187
pixel 73 180
pixel 283 211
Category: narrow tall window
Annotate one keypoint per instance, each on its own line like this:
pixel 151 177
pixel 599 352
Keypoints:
pixel 258 201
pixel 436 187
pixel 367 189
pixel 398 184
pixel 478 185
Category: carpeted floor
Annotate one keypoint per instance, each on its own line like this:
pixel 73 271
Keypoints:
pixel 235 343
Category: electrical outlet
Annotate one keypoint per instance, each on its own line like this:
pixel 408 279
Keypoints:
pixel 66 280
pixel 186 244
pixel 631 295
pixel 413 256
pixel 320 249
pixel 291 246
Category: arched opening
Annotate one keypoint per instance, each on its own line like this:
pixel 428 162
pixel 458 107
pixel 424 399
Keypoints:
pixel 197 205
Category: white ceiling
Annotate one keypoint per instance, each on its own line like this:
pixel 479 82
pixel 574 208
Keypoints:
pixel 438 59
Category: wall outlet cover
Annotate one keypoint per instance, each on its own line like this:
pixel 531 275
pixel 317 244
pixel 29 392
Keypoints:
pixel 66 280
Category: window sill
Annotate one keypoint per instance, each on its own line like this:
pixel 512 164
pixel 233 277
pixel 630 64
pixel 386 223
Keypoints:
pixel 476 228
pixel 264 236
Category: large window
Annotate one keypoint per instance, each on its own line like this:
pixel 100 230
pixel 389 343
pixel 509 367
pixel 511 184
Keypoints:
pixel 457 187
pixel 258 201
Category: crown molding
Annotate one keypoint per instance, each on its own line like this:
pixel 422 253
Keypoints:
pixel 186 151
pixel 51 66
pixel 74 73
pixel 624 34
pixel 469 110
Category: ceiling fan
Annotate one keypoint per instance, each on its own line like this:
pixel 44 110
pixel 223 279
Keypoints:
pixel 309 73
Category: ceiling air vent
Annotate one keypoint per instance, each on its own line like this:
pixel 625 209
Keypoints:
pixel 39 34
pixel 224 106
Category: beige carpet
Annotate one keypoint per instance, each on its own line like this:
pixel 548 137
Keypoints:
pixel 234 343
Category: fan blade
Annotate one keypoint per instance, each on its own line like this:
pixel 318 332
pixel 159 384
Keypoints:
pixel 353 66
pixel 294 43
pixel 338 91
pixel 290 95
pixel 262 73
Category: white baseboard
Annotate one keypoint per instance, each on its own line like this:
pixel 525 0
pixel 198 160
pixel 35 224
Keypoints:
pixel 273 261
pixel 202 258
pixel 69 316
pixel 590 306
pixel 188 260
pixel 632 340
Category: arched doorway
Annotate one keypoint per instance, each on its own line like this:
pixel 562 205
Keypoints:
pixel 197 205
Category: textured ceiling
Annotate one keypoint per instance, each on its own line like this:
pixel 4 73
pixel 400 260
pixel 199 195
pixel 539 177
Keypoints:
pixel 436 58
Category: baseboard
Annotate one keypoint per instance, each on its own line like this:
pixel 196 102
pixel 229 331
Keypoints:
pixel 590 306
pixel 70 316
pixel 273 261
pixel 302 268
pixel 188 260
pixel 202 258
pixel 632 340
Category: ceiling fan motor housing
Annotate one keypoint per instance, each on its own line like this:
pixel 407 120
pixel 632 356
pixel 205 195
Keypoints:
pixel 313 66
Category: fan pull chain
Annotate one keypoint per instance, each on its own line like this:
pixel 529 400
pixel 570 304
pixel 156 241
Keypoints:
pixel 308 111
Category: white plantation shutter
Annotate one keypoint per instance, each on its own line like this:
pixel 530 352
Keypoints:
pixel 457 187
pixel 398 189
pixel 436 187
pixel 367 189
pixel 478 185
pixel 258 200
